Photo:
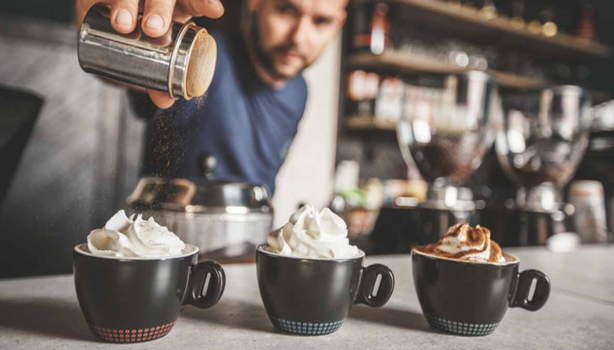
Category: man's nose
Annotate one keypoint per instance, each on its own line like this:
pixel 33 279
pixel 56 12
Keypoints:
pixel 301 32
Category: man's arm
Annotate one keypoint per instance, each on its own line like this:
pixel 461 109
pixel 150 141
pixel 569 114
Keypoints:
pixel 157 17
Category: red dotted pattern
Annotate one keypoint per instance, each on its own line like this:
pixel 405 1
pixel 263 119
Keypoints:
pixel 132 335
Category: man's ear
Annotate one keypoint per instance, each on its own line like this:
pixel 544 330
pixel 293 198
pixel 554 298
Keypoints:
pixel 344 17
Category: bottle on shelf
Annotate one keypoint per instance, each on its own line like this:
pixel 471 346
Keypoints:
pixel 547 16
pixel 362 90
pixel 373 35
pixel 586 22
pixel 359 24
pixel 517 11
pixel 380 29
pixel 532 16
pixel 489 9
pixel 389 101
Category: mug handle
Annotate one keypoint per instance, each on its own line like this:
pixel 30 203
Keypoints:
pixel 196 284
pixel 523 287
pixel 367 284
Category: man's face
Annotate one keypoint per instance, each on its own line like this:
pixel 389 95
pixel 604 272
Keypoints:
pixel 289 35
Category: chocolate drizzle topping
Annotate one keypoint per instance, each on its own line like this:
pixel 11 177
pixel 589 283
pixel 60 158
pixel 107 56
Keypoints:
pixel 477 239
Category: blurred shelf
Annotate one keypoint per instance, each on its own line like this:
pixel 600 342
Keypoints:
pixel 410 62
pixel 500 30
pixel 368 123
pixel 405 61
pixel 372 123
pixel 510 80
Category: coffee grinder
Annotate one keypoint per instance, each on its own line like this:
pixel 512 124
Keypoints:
pixel 541 140
pixel 446 130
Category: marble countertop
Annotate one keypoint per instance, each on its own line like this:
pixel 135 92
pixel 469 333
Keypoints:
pixel 43 313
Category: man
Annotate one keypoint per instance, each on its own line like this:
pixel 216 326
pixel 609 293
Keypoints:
pixel 250 114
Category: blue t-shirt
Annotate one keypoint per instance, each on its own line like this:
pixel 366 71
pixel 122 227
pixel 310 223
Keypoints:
pixel 245 124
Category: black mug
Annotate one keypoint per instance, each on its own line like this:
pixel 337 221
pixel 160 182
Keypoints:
pixel 128 300
pixel 470 298
pixel 310 296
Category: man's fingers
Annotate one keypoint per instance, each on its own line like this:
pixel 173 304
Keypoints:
pixel 160 98
pixel 197 8
pixel 81 8
pixel 157 17
pixel 124 14
pixel 157 14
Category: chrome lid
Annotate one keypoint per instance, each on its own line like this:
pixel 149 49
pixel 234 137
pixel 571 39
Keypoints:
pixel 154 193
pixel 206 197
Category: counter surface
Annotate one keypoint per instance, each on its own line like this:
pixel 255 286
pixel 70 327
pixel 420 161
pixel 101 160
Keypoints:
pixel 44 312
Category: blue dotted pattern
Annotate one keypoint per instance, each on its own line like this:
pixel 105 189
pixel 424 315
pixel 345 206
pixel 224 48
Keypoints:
pixel 462 328
pixel 306 328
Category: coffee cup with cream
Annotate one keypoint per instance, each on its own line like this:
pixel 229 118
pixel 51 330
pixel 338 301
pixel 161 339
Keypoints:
pixel 310 276
pixel 133 277
pixel 465 283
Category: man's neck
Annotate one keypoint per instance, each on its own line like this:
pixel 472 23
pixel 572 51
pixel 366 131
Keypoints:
pixel 261 71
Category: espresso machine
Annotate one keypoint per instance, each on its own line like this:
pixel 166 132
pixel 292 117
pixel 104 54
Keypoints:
pixel 446 130
pixel 540 142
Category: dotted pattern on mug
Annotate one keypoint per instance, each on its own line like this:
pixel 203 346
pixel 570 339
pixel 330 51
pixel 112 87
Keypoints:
pixel 306 328
pixel 132 335
pixel 461 328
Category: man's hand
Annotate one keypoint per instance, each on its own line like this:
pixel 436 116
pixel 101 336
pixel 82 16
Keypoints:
pixel 157 17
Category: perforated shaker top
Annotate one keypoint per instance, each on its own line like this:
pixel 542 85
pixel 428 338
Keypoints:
pixel 201 64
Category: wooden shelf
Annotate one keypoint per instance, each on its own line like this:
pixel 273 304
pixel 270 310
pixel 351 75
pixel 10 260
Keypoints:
pixel 405 61
pixel 368 123
pixel 409 62
pixel 472 23
pixel 510 80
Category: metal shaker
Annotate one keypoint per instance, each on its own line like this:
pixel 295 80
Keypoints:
pixel 181 62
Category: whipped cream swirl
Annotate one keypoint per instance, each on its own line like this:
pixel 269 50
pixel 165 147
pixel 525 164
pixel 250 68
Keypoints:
pixel 463 242
pixel 313 234
pixel 129 237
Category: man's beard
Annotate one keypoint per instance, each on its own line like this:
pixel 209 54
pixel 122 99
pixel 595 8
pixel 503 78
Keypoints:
pixel 266 58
